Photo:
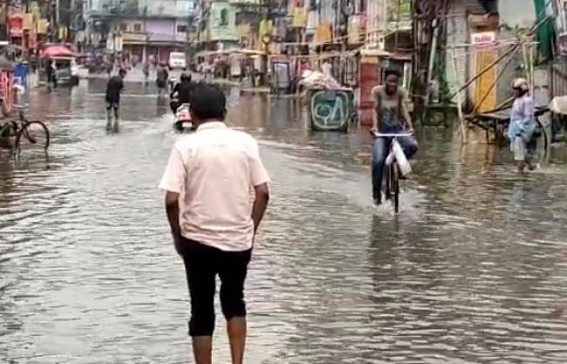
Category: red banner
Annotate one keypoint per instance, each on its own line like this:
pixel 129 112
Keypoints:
pixel 16 25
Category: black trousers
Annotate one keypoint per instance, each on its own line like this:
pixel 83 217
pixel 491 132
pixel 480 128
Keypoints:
pixel 202 264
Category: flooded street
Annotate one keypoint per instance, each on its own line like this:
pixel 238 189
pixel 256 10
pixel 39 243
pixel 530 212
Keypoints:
pixel 470 272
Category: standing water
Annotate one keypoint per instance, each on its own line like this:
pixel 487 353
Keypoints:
pixel 472 271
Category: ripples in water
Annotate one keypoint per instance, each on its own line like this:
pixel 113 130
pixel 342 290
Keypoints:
pixel 471 272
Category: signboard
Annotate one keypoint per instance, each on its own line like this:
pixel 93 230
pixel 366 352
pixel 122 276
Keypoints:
pixel 16 25
pixel 133 37
pixel 299 17
pixel 483 38
pixel 330 109
pixel 222 26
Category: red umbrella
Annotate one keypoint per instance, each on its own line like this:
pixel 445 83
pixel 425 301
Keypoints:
pixel 57 51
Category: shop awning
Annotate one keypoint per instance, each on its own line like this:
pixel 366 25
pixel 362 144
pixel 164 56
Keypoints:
pixel 57 51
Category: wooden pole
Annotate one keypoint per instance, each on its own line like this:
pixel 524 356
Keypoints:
pixel 459 99
pixel 432 57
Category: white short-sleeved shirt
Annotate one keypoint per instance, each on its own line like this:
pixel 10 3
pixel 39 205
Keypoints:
pixel 215 171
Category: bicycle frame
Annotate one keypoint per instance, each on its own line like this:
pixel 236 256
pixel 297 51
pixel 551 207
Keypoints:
pixel 393 179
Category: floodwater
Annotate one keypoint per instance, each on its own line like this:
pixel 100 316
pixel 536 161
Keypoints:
pixel 472 271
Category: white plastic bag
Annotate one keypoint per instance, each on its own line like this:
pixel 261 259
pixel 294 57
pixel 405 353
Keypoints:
pixel 398 154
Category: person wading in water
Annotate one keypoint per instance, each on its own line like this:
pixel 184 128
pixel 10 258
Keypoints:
pixel 213 220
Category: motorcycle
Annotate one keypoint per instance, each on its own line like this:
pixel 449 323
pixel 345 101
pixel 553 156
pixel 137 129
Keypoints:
pixel 183 118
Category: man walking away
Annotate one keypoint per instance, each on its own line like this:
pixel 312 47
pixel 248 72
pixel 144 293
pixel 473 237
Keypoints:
pixel 214 225
pixel 161 80
pixel 146 71
pixel 114 87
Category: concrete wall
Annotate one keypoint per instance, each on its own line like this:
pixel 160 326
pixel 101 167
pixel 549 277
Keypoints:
pixel 161 30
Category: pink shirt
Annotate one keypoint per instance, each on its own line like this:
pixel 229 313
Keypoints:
pixel 214 170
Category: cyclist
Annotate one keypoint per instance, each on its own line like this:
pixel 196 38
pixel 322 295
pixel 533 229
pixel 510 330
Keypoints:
pixel 181 93
pixel 114 87
pixel 391 116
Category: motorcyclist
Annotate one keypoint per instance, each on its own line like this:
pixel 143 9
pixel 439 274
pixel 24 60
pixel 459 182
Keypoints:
pixel 181 93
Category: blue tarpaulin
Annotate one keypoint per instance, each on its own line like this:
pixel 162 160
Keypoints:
pixel 21 74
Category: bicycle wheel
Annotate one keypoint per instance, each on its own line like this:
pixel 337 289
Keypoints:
pixel 33 135
pixel 395 187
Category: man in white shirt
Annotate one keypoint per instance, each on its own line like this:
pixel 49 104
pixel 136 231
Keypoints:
pixel 209 180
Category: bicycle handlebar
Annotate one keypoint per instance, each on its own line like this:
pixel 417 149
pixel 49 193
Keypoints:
pixel 390 135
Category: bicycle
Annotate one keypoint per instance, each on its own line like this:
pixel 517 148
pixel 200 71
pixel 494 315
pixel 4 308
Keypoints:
pixel 26 133
pixel 392 186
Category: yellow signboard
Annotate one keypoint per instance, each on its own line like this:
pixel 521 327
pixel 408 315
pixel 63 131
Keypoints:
pixel 28 21
pixel 299 17
pixel 42 26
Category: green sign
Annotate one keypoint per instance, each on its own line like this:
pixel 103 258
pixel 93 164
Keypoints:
pixel 330 109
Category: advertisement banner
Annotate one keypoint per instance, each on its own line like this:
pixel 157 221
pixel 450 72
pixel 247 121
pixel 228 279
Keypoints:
pixel 223 22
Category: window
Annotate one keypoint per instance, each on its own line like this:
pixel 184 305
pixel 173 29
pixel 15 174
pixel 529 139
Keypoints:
pixel 182 28
pixel 137 27
pixel 123 26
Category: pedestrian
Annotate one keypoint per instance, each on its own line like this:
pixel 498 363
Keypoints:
pixel 114 88
pixel 161 79
pixel 522 127
pixel 327 68
pixel 146 71
pixel 213 221
pixel 48 75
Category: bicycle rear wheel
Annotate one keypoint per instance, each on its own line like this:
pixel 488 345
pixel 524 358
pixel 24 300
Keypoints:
pixel 33 135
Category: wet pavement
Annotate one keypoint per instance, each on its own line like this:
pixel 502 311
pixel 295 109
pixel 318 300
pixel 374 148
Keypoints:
pixel 472 271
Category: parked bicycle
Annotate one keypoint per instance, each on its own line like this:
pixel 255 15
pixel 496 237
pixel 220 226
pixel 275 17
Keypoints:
pixel 393 169
pixel 24 134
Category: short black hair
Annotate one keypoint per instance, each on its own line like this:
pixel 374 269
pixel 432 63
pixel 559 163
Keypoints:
pixel 392 71
pixel 208 102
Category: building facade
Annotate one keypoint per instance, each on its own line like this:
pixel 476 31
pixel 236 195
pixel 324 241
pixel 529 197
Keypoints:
pixel 142 28
pixel 229 24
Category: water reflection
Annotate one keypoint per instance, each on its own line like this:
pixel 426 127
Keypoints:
pixel 471 271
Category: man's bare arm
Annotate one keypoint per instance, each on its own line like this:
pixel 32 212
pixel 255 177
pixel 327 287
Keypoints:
pixel 376 110
pixel 260 204
pixel 172 210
